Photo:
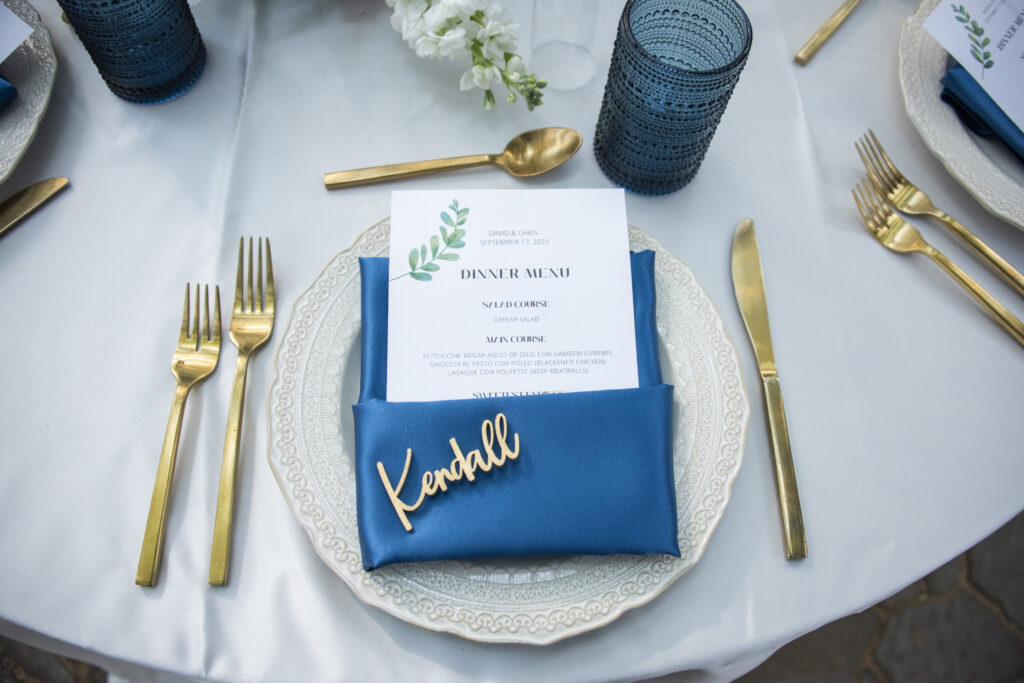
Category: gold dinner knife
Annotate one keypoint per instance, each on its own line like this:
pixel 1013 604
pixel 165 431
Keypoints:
pixel 24 202
pixel 748 282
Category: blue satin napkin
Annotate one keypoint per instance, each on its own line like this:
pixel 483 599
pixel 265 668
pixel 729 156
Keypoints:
pixel 977 111
pixel 593 474
pixel 7 92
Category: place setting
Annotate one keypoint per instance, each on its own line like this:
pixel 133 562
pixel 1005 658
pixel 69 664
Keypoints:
pixel 477 426
pixel 960 82
pixel 989 170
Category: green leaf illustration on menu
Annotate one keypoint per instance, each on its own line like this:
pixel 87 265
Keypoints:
pixel 976 34
pixel 423 260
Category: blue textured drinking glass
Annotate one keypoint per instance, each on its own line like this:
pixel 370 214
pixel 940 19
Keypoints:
pixel 147 51
pixel 673 70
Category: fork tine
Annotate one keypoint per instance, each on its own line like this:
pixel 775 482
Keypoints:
pixel 883 164
pixel 185 316
pixel 865 214
pixel 270 280
pixel 248 281
pixel 238 276
pixel 195 321
pixel 206 314
pixel 216 316
pixel 869 163
pixel 870 197
pixel 259 275
pixel 885 157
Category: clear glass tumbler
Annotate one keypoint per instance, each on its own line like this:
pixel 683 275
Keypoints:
pixel 562 42
pixel 673 70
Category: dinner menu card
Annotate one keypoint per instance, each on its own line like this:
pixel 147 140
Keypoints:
pixel 508 293
pixel 13 32
pixel 987 38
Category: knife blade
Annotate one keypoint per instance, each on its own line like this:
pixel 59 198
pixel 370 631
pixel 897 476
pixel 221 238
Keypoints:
pixel 24 202
pixel 748 282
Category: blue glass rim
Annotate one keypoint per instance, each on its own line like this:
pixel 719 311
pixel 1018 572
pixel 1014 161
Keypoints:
pixel 627 32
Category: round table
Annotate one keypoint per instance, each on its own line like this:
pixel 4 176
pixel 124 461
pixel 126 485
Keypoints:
pixel 902 396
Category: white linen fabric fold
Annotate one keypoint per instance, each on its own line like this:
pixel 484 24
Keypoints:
pixel 160 195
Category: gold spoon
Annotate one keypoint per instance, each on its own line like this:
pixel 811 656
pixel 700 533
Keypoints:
pixel 527 154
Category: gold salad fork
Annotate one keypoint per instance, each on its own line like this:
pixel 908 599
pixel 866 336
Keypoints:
pixel 908 198
pixel 252 321
pixel 898 235
pixel 194 360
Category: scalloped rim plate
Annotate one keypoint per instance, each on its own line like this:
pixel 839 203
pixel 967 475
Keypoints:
pixel 922 62
pixel 531 600
pixel 32 69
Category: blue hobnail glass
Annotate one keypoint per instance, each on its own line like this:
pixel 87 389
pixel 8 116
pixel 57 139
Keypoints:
pixel 673 70
pixel 147 51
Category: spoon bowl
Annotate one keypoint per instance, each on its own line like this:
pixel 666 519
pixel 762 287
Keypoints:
pixel 527 154
pixel 540 150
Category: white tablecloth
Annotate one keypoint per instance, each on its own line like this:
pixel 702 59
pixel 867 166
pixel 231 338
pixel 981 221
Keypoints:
pixel 903 398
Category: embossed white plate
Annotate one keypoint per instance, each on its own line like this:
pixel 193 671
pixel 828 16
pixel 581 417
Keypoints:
pixel 992 174
pixel 31 69
pixel 533 601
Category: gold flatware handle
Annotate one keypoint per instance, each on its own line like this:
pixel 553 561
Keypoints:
pixel 825 32
pixel 220 554
pixel 376 174
pixel 995 261
pixel 785 475
pixel 1007 320
pixel 156 522
pixel 22 203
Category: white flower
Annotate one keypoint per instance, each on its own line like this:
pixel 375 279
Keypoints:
pixel 479 76
pixel 475 29
pixel 453 44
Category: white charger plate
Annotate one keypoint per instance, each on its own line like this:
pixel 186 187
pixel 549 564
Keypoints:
pixel 533 601
pixel 985 168
pixel 31 69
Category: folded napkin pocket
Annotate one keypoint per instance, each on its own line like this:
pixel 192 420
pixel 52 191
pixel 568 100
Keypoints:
pixel 557 474
pixel 7 92
pixel 978 111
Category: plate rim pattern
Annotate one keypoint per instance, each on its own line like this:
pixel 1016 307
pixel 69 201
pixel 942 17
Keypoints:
pixel 422 593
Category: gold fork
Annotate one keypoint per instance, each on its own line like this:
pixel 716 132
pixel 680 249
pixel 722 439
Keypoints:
pixel 252 321
pixel 194 360
pixel 898 235
pixel 908 198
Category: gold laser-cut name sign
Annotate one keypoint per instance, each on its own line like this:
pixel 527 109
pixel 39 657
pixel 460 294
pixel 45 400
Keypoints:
pixel 462 466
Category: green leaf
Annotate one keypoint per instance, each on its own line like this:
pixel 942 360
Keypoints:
pixel 423 253
pixel 460 221
pixel 985 42
pixel 462 212
pixel 448 256
pixel 447 219
pixel 457 244
pixel 414 258
pixel 434 244
pixel 458 234
pixel 422 277
pixel 989 64
pixel 444 234
pixel 431 267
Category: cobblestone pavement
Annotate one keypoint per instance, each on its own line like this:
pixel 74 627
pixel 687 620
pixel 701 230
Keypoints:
pixel 964 622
